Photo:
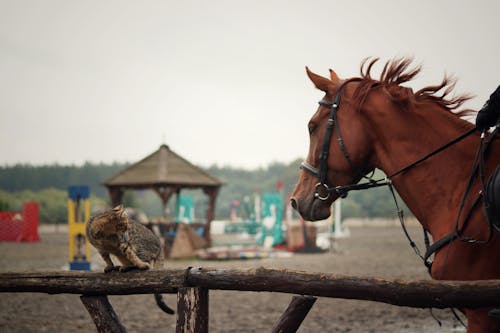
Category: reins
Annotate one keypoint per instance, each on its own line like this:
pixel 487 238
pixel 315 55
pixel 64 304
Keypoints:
pixel 387 180
pixel 323 190
pixel 478 166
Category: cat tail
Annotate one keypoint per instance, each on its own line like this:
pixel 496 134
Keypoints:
pixel 162 305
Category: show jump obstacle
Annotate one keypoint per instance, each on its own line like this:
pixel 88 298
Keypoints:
pixel 192 286
pixel 78 214
pixel 20 226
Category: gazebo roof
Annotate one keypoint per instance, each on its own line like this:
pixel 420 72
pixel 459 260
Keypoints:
pixel 162 168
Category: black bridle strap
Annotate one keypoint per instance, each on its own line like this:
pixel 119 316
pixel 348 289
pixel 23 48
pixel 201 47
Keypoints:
pixel 325 149
pixel 403 225
pixel 344 150
pixel 344 189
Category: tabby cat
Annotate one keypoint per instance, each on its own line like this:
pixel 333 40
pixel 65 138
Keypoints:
pixel 135 246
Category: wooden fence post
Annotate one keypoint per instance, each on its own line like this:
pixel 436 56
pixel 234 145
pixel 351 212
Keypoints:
pixel 192 310
pixel 102 313
pixel 294 315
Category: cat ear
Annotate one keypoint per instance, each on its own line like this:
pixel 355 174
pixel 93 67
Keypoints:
pixel 120 211
pixel 123 213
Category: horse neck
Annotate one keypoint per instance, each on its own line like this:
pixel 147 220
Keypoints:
pixel 434 187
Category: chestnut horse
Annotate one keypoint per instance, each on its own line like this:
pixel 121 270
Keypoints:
pixel 363 124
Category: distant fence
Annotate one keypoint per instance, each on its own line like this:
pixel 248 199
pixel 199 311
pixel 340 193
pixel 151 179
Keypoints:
pixel 192 286
pixel 20 226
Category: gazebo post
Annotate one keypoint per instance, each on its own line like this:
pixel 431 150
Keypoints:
pixel 211 192
pixel 177 202
pixel 116 195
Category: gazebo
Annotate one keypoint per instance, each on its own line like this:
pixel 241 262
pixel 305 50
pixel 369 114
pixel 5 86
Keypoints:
pixel 167 174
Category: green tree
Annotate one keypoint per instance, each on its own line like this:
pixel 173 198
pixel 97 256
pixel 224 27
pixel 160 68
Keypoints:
pixel 48 185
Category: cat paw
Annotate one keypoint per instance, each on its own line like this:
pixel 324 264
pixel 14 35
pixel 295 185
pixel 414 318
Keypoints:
pixel 124 269
pixel 144 267
pixel 109 269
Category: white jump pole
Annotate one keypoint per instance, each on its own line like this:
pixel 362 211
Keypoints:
pixel 338 226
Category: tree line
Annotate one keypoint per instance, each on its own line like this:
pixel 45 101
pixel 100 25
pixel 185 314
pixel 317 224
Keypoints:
pixel 48 185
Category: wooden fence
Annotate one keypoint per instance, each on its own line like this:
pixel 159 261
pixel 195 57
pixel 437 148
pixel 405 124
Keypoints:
pixel 192 286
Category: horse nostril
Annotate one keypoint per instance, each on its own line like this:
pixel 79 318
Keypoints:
pixel 294 203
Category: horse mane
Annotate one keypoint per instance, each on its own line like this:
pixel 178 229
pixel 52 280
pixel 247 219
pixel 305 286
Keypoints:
pixel 398 71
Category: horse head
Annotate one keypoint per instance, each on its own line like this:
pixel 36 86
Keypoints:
pixel 340 148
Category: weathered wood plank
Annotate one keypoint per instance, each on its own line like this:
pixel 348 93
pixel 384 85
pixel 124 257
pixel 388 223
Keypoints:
pixel 103 315
pixel 192 310
pixel 93 283
pixel 294 314
pixel 416 293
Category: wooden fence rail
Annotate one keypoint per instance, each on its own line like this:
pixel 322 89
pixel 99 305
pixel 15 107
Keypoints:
pixel 416 293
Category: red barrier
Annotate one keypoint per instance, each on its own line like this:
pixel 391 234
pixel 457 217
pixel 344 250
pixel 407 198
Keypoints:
pixel 20 226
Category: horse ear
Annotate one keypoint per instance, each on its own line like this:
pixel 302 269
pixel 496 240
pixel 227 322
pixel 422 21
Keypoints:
pixel 322 83
pixel 333 76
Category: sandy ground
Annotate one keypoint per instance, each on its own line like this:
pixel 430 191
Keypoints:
pixel 380 251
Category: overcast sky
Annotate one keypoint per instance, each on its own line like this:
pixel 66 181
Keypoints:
pixel 220 82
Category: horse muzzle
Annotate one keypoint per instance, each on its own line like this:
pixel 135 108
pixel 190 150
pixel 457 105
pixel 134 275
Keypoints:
pixel 311 208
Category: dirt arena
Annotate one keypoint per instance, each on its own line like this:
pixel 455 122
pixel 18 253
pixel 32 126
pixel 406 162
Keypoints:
pixel 371 250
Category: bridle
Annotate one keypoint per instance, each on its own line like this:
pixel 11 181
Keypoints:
pixel 323 188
